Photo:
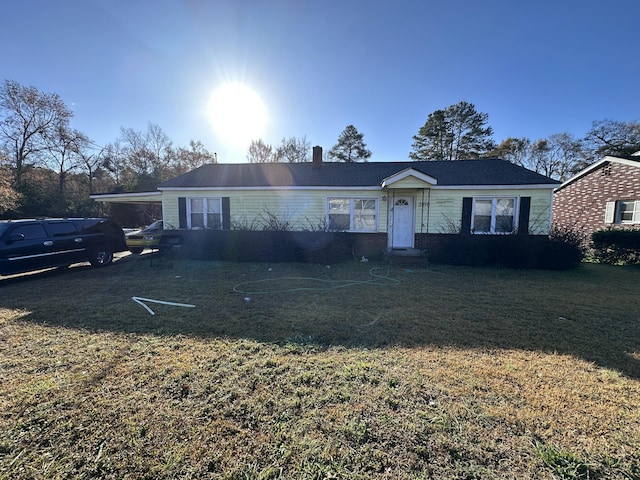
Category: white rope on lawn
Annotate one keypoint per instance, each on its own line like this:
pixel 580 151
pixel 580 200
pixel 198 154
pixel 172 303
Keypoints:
pixel 326 284
pixel 140 301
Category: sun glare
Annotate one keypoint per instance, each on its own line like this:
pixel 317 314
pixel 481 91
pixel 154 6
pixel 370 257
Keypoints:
pixel 237 114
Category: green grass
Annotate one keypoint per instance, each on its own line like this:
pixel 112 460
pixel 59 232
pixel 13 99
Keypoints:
pixel 564 464
pixel 292 371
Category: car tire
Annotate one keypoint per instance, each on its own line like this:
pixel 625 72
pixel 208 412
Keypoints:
pixel 101 256
pixel 136 250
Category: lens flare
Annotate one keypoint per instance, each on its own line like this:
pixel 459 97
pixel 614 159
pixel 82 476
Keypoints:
pixel 237 114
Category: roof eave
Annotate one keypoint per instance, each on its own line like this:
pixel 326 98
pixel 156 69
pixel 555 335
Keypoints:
pixel 408 172
pixel 135 197
pixel 596 165
pixel 511 186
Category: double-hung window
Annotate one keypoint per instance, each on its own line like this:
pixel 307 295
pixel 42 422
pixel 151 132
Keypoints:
pixel 352 214
pixel 494 215
pixel 623 212
pixel 204 212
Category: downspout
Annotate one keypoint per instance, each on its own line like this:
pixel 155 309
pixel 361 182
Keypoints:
pixel 428 210
pixel 422 213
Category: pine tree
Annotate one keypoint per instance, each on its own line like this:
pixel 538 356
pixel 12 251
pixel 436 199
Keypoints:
pixel 350 146
pixel 455 133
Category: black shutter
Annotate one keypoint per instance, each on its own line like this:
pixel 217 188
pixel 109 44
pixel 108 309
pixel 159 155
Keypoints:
pixel 523 215
pixel 182 213
pixel 226 214
pixel 465 224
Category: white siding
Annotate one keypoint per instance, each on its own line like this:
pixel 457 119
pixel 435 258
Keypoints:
pixel 303 209
pixel 445 210
pixel 437 211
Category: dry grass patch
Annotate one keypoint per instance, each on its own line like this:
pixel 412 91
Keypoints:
pixel 430 373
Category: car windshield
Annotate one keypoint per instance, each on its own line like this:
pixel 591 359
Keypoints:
pixel 154 227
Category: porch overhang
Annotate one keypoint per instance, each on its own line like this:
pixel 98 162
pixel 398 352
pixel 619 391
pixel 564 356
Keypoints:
pixel 409 178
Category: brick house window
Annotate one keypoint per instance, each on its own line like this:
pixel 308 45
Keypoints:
pixel 623 212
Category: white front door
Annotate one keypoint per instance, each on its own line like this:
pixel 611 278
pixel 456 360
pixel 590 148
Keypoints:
pixel 402 228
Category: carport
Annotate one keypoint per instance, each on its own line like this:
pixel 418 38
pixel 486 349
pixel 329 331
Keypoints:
pixel 140 198
pixel 153 200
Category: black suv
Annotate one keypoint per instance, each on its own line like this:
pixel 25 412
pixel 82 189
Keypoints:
pixel 27 245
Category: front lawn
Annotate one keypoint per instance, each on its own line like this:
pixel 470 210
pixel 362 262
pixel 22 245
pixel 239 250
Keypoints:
pixel 291 371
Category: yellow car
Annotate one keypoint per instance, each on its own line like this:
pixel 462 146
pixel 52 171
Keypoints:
pixel 148 237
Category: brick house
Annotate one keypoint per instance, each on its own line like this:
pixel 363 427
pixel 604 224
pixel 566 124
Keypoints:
pixel 604 195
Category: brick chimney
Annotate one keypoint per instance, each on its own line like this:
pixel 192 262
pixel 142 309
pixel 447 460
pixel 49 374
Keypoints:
pixel 317 157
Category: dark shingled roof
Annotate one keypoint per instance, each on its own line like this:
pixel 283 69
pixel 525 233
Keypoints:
pixel 338 174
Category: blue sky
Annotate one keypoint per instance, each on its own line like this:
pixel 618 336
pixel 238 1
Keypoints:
pixel 536 67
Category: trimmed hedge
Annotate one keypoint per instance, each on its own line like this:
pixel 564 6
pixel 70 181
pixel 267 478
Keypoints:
pixel 616 246
pixel 512 251
pixel 280 246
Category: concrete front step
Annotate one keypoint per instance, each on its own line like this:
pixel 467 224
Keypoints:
pixel 406 256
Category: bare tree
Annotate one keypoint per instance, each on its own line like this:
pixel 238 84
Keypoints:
pixel 28 117
pixel 293 150
pixel 116 162
pixel 559 156
pixel 161 148
pixel 91 161
pixel 142 159
pixel 193 157
pixel 63 152
pixel 260 152
pixel 149 152
pixel 136 150
pixel 514 150
pixel 9 198
pixel 556 156
pixel 610 137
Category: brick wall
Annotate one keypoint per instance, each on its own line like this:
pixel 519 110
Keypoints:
pixel 581 204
